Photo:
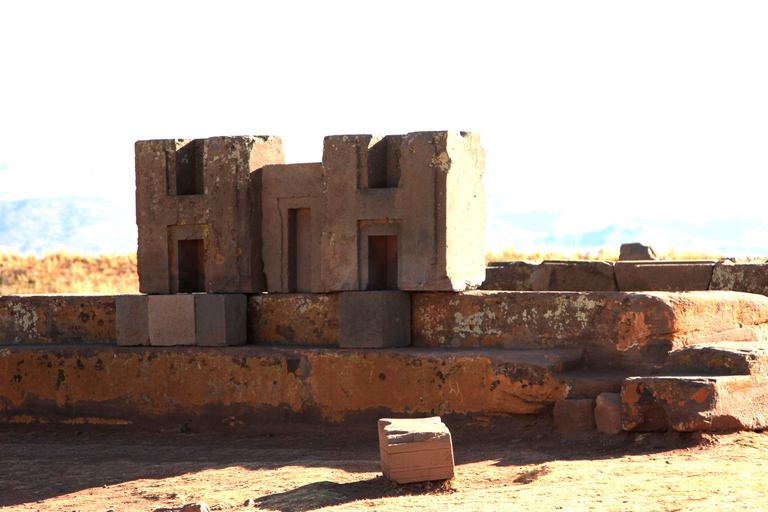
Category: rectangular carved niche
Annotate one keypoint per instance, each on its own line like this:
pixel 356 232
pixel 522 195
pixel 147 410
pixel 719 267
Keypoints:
pixel 299 250
pixel 379 253
pixel 185 169
pixel 382 168
pixel 187 259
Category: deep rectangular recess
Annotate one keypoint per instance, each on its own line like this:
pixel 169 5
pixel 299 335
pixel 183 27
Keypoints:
pixel 299 250
pixel 191 261
pixel 382 263
pixel 189 169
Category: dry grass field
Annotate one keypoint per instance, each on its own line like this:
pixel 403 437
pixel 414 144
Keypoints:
pixel 64 272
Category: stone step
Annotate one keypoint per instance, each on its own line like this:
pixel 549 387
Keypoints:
pixel 586 384
pixel 727 358
pixel 213 387
pixel 687 403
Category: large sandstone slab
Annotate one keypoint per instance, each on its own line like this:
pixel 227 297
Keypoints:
pixel 740 277
pixel 160 387
pixel 57 319
pixel 623 330
pixel 574 276
pixel 415 450
pixel 690 403
pixel 665 276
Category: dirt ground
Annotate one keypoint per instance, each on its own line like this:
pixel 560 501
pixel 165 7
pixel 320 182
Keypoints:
pixel 496 470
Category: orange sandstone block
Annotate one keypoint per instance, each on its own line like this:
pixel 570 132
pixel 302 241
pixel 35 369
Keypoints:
pixel 415 450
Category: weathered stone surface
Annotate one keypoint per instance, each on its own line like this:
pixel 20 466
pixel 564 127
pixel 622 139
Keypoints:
pixel 419 194
pixel 574 276
pixel 583 384
pixel 220 319
pixel 691 403
pixel 301 319
pixel 132 320
pixel 199 214
pixel 375 319
pixel 415 450
pixel 608 413
pixel 513 276
pixel 636 251
pixel 664 276
pixel 160 387
pixel 725 358
pixel 740 277
pixel 573 416
pixel 171 320
pixel 57 319
pixel 292 226
pixel 618 330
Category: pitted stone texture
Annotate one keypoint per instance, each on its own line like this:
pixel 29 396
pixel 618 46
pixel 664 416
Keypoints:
pixel 691 403
pixel 513 276
pixel 740 277
pixel 161 387
pixel 171 320
pixel 294 319
pixel 574 276
pixel 57 319
pixel 572 416
pixel 220 207
pixel 734 358
pixel 425 189
pixel 132 320
pixel 664 276
pixel 415 450
pixel 608 413
pixel 375 319
pixel 636 251
pixel 618 330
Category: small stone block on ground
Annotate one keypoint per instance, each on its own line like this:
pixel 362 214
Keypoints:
pixel 572 416
pixel 608 413
pixel 131 320
pixel 375 319
pixel 415 450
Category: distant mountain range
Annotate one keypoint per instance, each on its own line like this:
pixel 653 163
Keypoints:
pixel 91 225
pixel 84 225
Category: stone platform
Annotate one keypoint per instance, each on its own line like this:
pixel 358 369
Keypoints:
pixel 473 354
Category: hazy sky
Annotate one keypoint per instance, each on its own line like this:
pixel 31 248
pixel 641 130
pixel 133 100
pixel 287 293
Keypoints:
pixel 605 110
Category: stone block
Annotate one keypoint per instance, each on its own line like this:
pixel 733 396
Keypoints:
pixel 514 276
pixel 294 319
pixel 375 319
pixel 292 227
pixel 636 251
pixel 415 450
pixel 740 277
pixel 171 320
pixel 403 212
pixel 198 211
pixel 132 320
pixel 220 319
pixel 608 413
pixel 574 276
pixel 61 319
pixel 572 416
pixel 664 276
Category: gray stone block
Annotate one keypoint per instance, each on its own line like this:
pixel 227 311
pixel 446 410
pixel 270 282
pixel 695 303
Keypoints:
pixel 664 276
pixel 220 320
pixel 573 416
pixel 740 277
pixel 574 276
pixel 171 320
pixel 513 276
pixel 131 320
pixel 608 413
pixel 375 319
